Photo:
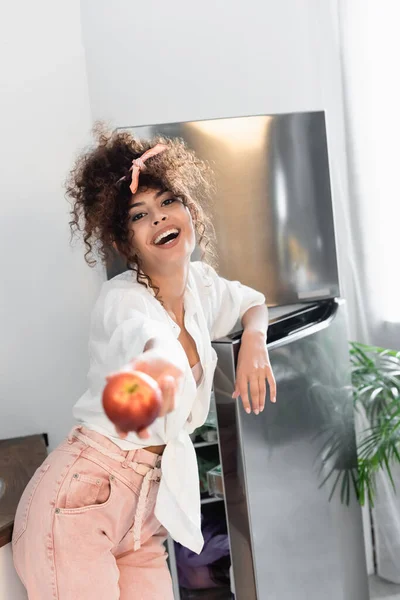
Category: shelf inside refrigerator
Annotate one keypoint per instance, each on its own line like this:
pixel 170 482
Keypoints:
pixel 222 593
pixel 205 444
pixel 208 499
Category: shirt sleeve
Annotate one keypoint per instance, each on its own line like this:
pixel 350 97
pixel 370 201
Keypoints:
pixel 129 326
pixel 123 324
pixel 228 302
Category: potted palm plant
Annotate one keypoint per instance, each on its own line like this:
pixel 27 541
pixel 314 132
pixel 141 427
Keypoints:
pixel 375 374
pixel 373 478
pixel 376 388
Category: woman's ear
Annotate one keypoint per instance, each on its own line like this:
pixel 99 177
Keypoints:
pixel 114 245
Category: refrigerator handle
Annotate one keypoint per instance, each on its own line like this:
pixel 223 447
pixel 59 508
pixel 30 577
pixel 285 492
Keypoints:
pixel 308 330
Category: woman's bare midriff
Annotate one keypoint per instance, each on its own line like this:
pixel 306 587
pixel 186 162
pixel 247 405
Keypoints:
pixel 155 449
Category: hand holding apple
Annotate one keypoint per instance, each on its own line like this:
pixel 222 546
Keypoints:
pixel 134 397
pixel 153 363
pixel 132 401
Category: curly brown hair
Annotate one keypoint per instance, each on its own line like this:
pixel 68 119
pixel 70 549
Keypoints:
pixel 98 189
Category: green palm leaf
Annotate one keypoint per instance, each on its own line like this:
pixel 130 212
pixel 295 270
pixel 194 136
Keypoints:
pixel 376 388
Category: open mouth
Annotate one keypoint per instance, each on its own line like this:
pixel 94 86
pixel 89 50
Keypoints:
pixel 166 237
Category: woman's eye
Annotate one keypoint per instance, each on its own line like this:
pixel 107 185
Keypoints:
pixel 137 217
pixel 168 201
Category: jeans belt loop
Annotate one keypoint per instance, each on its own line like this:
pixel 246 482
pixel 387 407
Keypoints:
pixel 70 438
pixel 128 458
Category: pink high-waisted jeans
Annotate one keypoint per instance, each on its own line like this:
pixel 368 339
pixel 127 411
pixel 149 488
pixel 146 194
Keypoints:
pixel 85 527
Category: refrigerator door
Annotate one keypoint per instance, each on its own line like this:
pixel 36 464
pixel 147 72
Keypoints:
pixel 292 534
pixel 272 205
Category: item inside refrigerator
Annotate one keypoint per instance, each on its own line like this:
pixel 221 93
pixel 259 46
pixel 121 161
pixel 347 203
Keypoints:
pixel 211 420
pixel 205 465
pixel 208 431
pixel 206 434
pixel 215 482
pixel 210 568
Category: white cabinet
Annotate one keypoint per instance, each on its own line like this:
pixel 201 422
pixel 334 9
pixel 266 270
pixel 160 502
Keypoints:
pixel 11 587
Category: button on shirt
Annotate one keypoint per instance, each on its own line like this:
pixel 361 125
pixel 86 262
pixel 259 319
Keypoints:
pixel 127 315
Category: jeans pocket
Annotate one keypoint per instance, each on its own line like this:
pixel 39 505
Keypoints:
pixel 22 513
pixel 84 491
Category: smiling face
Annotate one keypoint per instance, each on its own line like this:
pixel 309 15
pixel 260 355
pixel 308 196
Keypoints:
pixel 161 230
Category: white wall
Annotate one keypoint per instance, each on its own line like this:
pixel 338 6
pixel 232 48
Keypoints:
pixel 46 288
pixel 167 61
pixel 11 587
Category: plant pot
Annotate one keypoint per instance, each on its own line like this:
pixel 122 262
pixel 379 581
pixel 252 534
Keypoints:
pixel 386 520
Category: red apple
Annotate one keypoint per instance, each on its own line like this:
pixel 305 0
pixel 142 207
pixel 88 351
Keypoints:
pixel 132 401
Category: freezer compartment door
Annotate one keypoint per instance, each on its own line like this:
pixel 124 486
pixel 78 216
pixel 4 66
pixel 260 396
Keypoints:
pixel 272 204
pixel 293 535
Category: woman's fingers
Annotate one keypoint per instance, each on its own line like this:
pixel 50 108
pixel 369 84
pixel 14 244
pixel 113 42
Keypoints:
pixel 242 391
pixel 120 433
pixel 140 365
pixel 144 434
pixel 255 394
pixel 263 390
pixel 272 384
pixel 258 391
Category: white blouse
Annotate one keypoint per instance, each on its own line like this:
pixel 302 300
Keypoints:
pixel 125 316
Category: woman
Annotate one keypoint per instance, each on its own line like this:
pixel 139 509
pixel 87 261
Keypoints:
pixel 92 521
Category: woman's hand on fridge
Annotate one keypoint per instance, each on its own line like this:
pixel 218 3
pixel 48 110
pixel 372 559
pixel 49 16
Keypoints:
pixel 253 370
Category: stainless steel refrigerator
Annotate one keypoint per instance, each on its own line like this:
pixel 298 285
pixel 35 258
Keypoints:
pixel 294 523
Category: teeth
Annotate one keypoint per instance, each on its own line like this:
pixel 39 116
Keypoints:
pixel 164 234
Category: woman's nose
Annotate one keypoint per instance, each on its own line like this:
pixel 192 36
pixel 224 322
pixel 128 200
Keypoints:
pixel 159 219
